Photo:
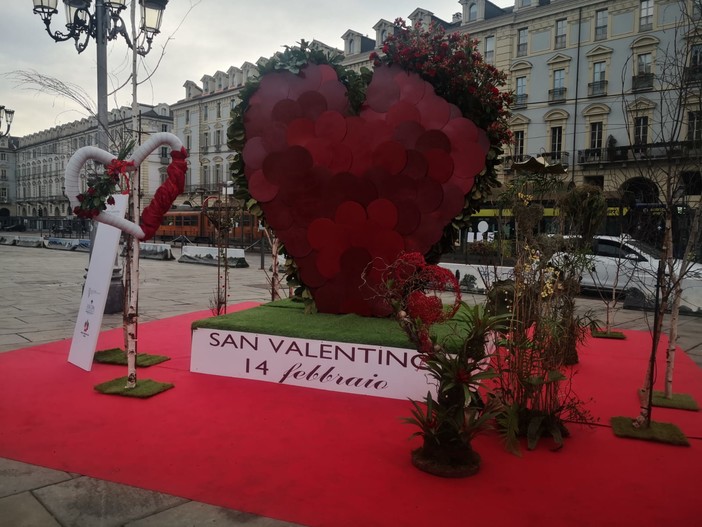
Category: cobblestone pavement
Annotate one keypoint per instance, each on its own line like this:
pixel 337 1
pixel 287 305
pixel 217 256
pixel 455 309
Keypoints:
pixel 41 291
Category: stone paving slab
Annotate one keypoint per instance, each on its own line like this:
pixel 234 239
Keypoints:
pixel 16 477
pixel 24 510
pixel 200 514
pixel 88 502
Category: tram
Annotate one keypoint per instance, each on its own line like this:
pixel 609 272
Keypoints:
pixel 197 226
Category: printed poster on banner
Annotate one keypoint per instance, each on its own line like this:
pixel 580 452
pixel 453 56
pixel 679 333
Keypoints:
pixel 97 285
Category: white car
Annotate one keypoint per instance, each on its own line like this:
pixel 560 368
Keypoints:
pixel 631 266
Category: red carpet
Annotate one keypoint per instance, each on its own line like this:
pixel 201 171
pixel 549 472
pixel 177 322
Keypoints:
pixel 330 459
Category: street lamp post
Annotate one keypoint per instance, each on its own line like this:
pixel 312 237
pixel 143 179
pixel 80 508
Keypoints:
pixel 7 114
pixel 104 23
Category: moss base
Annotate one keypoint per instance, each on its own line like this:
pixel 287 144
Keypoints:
pixel 144 388
pixel 659 432
pixel 679 401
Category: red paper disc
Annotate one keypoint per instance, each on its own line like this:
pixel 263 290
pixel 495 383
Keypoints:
pixel 440 165
pixel 384 212
pixel 350 213
pixel 286 111
pixel 433 139
pixel 391 156
pixel 254 153
pixel 331 126
pixel 260 188
pixel 313 104
pixel 407 133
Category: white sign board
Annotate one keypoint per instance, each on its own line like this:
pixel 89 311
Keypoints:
pixel 336 366
pixel 97 284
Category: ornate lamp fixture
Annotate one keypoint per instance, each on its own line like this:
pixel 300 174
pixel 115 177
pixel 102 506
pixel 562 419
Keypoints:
pixel 82 24
pixel 6 113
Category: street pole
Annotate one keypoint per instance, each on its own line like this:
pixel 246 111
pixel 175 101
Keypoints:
pixel 115 295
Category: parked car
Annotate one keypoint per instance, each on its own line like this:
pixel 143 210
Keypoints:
pixel 630 267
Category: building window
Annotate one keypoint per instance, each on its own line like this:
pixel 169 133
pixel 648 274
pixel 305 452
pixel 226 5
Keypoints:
pixel 218 138
pixel 601 24
pixel 472 13
pixel 219 110
pixel 646 17
pixel 599 83
pixel 520 98
pixel 560 34
pixel 524 3
pixel 694 126
pixel 556 142
pixel 640 131
pixel 205 141
pixel 643 80
pixel 205 116
pixel 490 50
pixel 187 116
pixel 164 152
pixel 693 73
pixel 519 145
pixel 558 92
pixel 522 35
pixel 206 176
pixel 596 131
pixel 643 64
pixel 218 173
pixel 188 143
pixel 164 127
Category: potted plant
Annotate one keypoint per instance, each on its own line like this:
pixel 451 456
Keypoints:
pixel 451 341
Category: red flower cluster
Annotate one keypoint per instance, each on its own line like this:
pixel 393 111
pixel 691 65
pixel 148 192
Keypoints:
pixel 414 286
pixel 100 189
pixel 427 308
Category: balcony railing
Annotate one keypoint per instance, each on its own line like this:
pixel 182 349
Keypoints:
pixel 601 33
pixel 520 100
pixel 556 95
pixel 560 42
pixel 642 81
pixel 597 88
pixel 558 156
pixel 693 73
pixel 648 152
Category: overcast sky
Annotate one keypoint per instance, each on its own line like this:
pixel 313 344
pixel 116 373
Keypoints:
pixel 200 37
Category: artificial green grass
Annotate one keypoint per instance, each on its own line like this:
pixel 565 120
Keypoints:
pixel 144 388
pixel 608 335
pixel 119 356
pixel 680 401
pixel 659 432
pixel 288 318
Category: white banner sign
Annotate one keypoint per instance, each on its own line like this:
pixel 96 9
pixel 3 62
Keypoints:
pixel 337 366
pixel 97 284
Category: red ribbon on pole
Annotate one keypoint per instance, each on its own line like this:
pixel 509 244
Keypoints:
pixel 166 194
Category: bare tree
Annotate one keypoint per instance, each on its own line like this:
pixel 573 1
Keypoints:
pixel 663 125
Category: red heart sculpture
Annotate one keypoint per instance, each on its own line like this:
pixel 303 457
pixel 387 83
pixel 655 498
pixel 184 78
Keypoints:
pixel 342 190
